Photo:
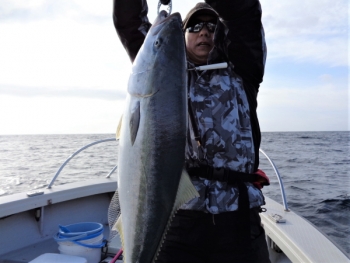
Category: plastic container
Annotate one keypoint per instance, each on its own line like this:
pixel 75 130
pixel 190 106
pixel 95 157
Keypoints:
pixel 88 228
pixel 81 239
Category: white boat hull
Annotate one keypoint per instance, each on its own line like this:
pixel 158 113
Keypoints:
pixel 28 224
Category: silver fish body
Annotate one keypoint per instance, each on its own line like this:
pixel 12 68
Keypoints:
pixel 152 139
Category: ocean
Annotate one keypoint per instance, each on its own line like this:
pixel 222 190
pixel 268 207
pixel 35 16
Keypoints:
pixel 314 167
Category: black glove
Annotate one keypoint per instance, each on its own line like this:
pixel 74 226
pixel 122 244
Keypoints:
pixel 165 2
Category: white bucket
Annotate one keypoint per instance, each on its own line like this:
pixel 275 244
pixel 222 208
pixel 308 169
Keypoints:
pixel 92 255
pixel 83 239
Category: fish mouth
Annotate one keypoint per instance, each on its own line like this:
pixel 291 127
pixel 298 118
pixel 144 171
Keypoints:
pixel 164 17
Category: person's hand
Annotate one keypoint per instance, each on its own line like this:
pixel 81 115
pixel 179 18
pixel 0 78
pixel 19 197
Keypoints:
pixel 261 180
pixel 165 2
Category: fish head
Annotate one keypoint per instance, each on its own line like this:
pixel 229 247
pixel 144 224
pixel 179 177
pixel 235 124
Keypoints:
pixel 157 54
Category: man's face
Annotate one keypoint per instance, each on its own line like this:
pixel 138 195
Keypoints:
pixel 199 44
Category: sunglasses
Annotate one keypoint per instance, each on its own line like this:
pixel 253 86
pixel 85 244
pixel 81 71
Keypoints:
pixel 199 26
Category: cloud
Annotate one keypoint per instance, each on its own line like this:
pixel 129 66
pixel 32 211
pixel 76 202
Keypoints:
pixel 331 52
pixel 37 10
pixel 62 53
pixel 305 17
pixel 22 11
pixel 296 106
pixel 94 93
pixel 58 115
pixel 313 31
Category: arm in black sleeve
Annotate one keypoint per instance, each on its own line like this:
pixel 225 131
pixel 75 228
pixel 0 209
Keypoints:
pixel 247 49
pixel 131 22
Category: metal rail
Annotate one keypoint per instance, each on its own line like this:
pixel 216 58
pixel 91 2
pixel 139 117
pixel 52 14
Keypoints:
pixel 77 152
pixel 112 171
pixel 284 199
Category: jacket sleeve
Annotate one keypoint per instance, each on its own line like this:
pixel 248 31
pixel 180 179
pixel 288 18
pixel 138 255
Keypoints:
pixel 131 22
pixel 247 48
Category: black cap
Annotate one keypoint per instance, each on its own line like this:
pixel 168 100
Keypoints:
pixel 200 9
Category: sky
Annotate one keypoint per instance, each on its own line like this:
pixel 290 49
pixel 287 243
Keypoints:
pixel 63 69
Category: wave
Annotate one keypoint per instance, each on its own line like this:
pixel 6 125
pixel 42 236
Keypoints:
pixel 297 188
pixel 341 203
pixel 33 148
pixel 305 137
pixel 292 160
pixel 302 180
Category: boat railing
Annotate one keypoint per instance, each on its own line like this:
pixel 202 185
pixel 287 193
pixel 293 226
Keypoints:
pixel 279 178
pixel 284 199
pixel 75 154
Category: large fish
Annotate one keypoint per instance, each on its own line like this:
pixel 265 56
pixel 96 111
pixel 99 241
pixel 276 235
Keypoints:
pixel 152 184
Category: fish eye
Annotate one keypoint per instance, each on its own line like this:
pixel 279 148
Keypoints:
pixel 157 43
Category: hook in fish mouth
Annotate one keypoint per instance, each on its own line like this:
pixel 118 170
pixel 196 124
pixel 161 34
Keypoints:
pixel 170 6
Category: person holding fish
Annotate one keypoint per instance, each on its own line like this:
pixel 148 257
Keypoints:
pixel 222 224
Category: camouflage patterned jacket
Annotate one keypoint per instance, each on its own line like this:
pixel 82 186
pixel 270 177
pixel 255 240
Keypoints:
pixel 224 105
pixel 222 114
pixel 224 101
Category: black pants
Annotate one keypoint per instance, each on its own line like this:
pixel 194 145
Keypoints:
pixel 205 238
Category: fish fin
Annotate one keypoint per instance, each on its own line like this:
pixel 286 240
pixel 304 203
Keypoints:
pixel 117 135
pixel 118 226
pixel 134 122
pixel 185 192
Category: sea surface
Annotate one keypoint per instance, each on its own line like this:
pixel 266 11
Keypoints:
pixel 314 167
